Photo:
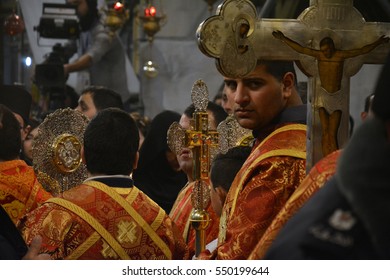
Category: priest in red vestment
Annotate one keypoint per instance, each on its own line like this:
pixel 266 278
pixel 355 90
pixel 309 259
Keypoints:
pixel 267 102
pixel 106 217
pixel 20 191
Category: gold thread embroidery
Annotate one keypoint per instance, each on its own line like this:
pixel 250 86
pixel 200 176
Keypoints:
pixel 158 220
pixel 137 217
pixel 278 152
pixel 80 250
pixel 92 222
pixel 127 231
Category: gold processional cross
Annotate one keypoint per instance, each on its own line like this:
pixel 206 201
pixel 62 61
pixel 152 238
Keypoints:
pixel 330 41
pixel 203 143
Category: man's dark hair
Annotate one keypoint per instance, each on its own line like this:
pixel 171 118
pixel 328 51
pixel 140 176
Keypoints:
pixel 279 68
pixel 111 143
pixel 10 138
pixel 217 111
pixel 104 98
pixel 87 21
pixel 225 166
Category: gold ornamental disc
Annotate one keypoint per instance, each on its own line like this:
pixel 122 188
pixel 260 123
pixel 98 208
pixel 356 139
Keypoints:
pixel 57 150
pixel 67 153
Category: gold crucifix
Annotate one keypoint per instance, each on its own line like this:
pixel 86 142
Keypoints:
pixel 236 38
pixel 203 144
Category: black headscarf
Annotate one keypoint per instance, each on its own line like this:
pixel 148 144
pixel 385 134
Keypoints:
pixel 154 176
pixel 17 99
pixel 91 17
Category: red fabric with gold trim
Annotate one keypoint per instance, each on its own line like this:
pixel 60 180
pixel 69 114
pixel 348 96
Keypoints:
pixel 64 232
pixel 265 187
pixel 20 191
pixel 181 214
pixel 321 172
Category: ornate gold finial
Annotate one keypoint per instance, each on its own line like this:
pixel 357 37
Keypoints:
pixel 57 150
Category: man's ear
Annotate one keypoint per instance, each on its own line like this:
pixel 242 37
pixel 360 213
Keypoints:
pixel 363 115
pixel 288 83
pixel 28 129
pixel 135 163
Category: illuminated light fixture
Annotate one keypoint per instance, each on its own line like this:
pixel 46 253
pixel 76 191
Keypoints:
pixel 13 25
pixel 28 61
pixel 116 16
pixel 152 20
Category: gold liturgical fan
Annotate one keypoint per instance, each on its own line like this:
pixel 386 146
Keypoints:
pixel 57 150
pixel 231 134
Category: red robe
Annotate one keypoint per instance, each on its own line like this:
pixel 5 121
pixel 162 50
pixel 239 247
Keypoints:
pixel 94 221
pixel 321 172
pixel 20 191
pixel 181 214
pixel 272 172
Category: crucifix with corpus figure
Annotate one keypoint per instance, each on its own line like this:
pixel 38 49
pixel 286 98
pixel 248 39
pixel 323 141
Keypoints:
pixel 330 41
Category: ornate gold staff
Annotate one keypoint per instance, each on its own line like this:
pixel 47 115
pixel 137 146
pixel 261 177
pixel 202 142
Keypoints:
pixel 204 144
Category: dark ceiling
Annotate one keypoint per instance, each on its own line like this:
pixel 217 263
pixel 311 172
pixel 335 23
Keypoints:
pixel 372 10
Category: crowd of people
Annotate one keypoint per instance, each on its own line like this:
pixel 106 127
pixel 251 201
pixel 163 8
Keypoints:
pixel 137 200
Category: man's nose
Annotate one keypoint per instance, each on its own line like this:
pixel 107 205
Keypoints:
pixel 241 94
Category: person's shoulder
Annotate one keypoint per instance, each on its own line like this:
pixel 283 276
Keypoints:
pixel 100 29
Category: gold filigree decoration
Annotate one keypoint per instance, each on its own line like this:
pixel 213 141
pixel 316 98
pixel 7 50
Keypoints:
pixel 200 96
pixel 200 195
pixel 176 136
pixel 57 150
pixel 232 134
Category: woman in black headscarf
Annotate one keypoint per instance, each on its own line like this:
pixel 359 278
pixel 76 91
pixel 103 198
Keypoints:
pixel 158 173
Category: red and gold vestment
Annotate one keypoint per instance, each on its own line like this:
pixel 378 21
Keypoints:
pixel 272 172
pixel 321 172
pixel 20 191
pixel 181 214
pixel 95 221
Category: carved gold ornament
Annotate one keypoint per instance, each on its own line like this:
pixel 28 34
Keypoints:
pixel 57 150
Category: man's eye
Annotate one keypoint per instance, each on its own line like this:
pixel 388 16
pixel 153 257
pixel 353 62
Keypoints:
pixel 254 84
pixel 231 84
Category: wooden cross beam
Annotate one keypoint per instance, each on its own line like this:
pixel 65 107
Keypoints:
pixel 236 38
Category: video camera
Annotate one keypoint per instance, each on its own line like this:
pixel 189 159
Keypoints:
pixel 51 72
pixel 58 21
